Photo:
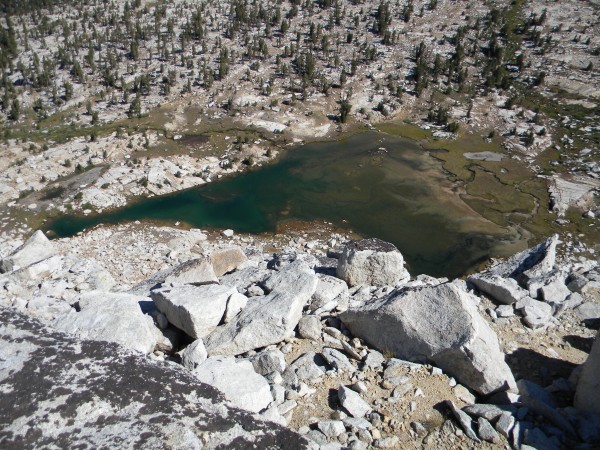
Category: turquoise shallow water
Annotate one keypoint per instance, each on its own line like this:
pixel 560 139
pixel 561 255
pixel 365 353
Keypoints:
pixel 375 184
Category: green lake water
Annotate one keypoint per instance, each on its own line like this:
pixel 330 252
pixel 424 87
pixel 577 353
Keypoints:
pixel 372 183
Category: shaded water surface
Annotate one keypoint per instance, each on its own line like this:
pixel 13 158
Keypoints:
pixel 375 184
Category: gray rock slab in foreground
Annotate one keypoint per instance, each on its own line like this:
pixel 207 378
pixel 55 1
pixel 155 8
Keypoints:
pixel 93 394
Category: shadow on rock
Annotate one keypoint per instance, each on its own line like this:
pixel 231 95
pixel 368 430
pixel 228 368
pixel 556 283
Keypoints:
pixel 580 343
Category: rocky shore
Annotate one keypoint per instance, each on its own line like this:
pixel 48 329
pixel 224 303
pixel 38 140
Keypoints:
pixel 221 342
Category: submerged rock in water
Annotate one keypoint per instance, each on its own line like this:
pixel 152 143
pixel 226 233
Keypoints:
pixel 438 324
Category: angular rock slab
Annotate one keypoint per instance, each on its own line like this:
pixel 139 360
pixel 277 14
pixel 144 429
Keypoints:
pixel 353 402
pixel 587 395
pixel 197 310
pixel 372 262
pixel 196 271
pixel 237 380
pixel 82 383
pixel 503 290
pixel 439 324
pixel 227 259
pixel 534 262
pixel 36 248
pixel 111 317
pixel 270 319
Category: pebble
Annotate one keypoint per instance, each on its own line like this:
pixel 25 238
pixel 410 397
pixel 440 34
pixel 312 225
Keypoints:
pixel 387 442
pixel 436 371
pixel 374 359
pixel 352 402
pixel 418 428
pixel 489 412
pixel 227 233
pixel 401 390
pixel 359 387
pixel 505 311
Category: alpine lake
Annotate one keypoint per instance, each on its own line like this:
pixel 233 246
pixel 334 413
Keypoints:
pixel 373 183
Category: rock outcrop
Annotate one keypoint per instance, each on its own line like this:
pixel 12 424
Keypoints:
pixel 439 324
pixel 273 338
pixel 67 393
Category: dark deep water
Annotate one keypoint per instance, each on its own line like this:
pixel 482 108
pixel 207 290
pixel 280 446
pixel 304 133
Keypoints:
pixel 398 194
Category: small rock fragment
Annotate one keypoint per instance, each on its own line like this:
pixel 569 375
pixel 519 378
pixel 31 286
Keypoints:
pixel 464 420
pixel 352 402
pixel 486 431
pixel 194 355
pixel 309 327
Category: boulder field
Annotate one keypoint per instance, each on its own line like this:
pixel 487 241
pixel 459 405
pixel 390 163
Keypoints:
pixel 239 348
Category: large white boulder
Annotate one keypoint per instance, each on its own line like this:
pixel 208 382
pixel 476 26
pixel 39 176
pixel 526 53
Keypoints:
pixel 197 310
pixel 237 380
pixel 372 262
pixel 36 248
pixel 587 395
pixel 439 324
pixel 270 319
pixel 112 317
